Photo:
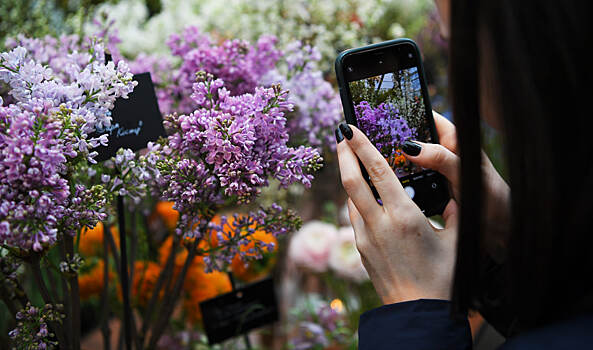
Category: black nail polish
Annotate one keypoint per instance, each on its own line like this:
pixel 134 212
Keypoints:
pixel 411 148
pixel 346 131
pixel 339 136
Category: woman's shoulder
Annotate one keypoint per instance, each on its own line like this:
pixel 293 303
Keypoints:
pixel 576 333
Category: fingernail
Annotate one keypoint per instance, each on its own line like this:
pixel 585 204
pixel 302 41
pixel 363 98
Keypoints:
pixel 339 136
pixel 411 148
pixel 346 131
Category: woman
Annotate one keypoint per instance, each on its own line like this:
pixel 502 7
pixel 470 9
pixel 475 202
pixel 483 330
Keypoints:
pixel 522 253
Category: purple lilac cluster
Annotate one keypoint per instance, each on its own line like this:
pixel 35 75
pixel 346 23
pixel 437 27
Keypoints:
pixel 236 62
pixel 384 126
pixel 319 328
pixel 224 152
pixel 317 104
pixel 32 329
pixel 44 137
pixel 242 67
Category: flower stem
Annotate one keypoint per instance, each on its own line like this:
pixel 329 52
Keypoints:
pixel 38 276
pixel 67 299
pixel 169 304
pixel 74 295
pixel 124 277
pixel 164 276
pixel 105 330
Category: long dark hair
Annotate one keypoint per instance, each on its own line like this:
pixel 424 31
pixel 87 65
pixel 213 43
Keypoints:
pixel 537 54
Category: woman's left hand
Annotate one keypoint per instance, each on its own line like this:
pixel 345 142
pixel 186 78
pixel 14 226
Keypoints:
pixel 406 257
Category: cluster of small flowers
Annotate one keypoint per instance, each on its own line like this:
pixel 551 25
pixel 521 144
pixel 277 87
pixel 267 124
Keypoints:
pixel 234 236
pixel 319 327
pixel 32 330
pixel 44 137
pixel 317 105
pixel 125 174
pixel 239 64
pixel 225 151
pixel 329 25
pixel 384 126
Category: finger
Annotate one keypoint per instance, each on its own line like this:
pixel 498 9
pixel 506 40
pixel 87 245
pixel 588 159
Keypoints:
pixel 354 183
pixel 451 214
pixel 446 131
pixel 357 222
pixel 437 157
pixel 381 174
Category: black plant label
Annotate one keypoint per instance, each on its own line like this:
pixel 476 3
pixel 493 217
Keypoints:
pixel 135 120
pixel 235 313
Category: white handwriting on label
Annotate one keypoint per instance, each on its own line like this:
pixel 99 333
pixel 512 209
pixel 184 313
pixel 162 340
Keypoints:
pixel 118 131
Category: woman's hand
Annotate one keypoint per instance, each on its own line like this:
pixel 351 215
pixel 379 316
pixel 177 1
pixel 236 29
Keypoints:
pixel 406 257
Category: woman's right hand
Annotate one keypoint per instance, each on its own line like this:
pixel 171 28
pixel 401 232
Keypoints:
pixel 444 158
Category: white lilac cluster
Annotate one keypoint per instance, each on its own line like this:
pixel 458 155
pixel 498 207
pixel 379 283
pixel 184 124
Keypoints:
pixel 329 25
pixel 59 92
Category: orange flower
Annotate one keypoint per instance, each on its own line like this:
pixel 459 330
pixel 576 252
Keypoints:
pixel 200 286
pixel 146 274
pixel 91 240
pixel 181 252
pixel 165 212
pixel 91 284
pixel 254 269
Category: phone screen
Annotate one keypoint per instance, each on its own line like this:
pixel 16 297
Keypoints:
pixel 390 108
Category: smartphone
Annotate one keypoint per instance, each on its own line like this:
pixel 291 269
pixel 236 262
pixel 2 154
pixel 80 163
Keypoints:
pixel 384 94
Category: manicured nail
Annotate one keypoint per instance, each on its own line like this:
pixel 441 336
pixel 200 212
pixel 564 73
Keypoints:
pixel 339 136
pixel 411 148
pixel 346 131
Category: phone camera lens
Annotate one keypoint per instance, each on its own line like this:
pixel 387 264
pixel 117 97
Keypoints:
pixel 350 69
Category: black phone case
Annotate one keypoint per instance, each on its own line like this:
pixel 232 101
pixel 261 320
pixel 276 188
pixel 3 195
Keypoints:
pixel 348 106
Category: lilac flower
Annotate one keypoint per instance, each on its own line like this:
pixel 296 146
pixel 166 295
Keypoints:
pixel 310 336
pixel 317 104
pixel 32 330
pixel 224 152
pixel 61 92
pixel 238 63
pixel 384 126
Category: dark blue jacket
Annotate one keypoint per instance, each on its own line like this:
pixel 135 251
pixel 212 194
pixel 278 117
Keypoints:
pixel 427 325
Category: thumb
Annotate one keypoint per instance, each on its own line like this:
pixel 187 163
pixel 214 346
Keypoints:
pixel 434 156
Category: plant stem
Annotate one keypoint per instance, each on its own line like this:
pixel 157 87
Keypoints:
pixel 169 304
pixel 67 298
pixel 112 246
pixel 74 295
pixel 164 276
pixel 124 277
pixel 38 276
pixel 105 330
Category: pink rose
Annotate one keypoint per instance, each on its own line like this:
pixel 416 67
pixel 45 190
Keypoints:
pixel 310 246
pixel 345 259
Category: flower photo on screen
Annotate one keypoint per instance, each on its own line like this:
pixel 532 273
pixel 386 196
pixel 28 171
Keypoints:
pixel 390 110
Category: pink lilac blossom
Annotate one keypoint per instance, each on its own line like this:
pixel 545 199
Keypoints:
pixel 384 126
pixel 44 138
